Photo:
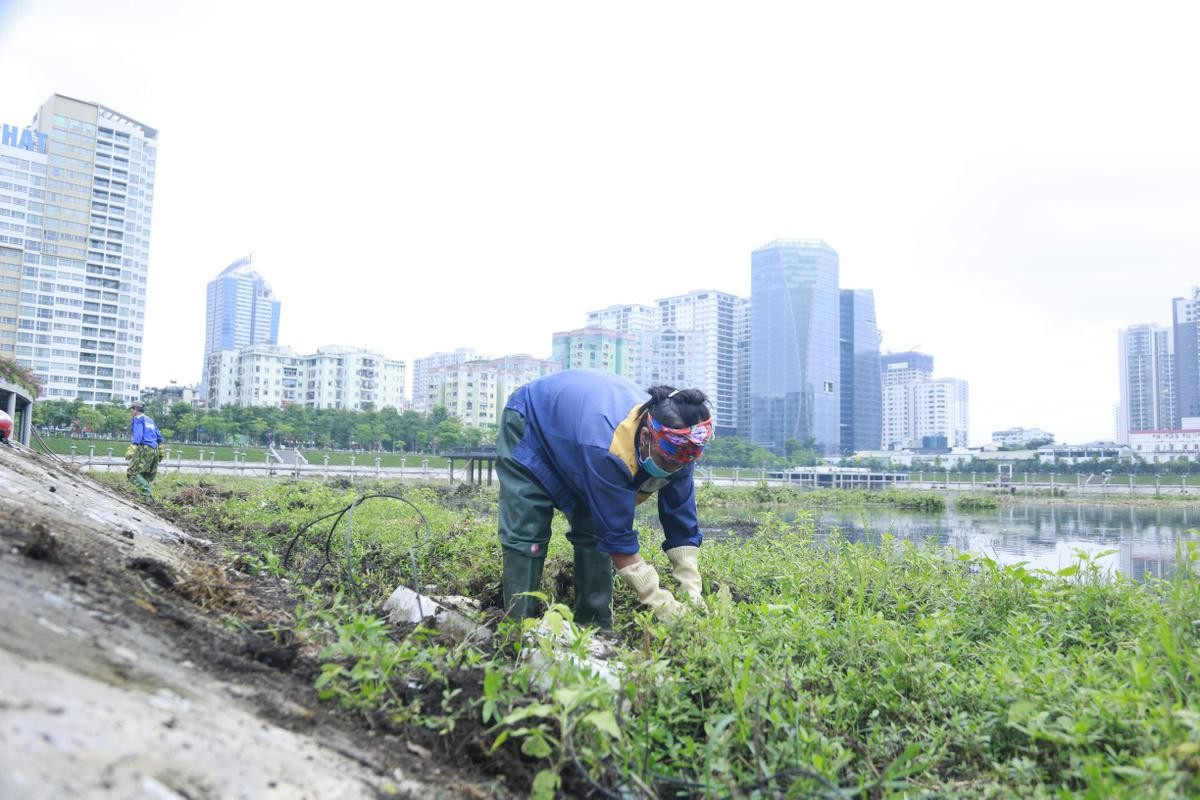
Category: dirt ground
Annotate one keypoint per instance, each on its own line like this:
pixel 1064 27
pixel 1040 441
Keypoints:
pixel 135 661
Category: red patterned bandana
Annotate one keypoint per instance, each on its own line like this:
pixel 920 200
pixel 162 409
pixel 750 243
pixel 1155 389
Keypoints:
pixel 683 445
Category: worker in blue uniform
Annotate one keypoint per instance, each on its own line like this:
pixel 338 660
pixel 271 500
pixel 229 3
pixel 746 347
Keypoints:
pixel 594 445
pixel 143 453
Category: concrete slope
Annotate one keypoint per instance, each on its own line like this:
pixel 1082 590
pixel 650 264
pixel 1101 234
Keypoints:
pixel 122 677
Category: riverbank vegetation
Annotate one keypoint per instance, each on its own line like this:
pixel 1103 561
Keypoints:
pixel 976 502
pixel 767 496
pixel 819 667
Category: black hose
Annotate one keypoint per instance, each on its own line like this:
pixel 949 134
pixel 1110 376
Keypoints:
pixel 348 568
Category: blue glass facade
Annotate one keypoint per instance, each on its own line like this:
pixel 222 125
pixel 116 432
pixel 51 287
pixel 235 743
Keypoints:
pixel 795 357
pixel 241 311
pixel 862 392
pixel 1186 321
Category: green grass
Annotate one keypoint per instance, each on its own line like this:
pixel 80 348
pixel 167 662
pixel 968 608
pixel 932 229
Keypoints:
pixel 887 671
pixel 252 455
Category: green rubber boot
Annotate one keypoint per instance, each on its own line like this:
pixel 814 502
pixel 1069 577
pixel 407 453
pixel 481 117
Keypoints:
pixel 521 574
pixel 142 485
pixel 593 588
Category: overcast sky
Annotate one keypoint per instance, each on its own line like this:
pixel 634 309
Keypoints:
pixel 1015 181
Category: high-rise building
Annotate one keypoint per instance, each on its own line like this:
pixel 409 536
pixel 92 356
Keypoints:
pixel 712 318
pixel 795 361
pixel 941 411
pixel 85 247
pixel 917 406
pixel 899 373
pixel 1186 329
pixel 594 348
pixel 22 182
pixel 672 357
pixel 241 311
pixel 642 324
pixel 1147 380
pixel 625 318
pixel 423 369
pixel 862 395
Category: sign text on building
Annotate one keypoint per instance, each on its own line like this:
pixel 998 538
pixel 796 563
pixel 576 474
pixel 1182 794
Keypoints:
pixel 25 138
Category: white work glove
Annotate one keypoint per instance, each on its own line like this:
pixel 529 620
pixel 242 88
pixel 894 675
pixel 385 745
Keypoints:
pixel 685 566
pixel 642 578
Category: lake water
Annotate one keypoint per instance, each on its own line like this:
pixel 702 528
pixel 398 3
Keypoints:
pixel 1046 535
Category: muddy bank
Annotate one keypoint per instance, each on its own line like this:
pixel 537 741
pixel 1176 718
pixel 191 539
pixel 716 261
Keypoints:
pixel 135 661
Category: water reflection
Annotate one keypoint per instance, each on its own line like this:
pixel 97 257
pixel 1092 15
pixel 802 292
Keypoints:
pixel 1045 536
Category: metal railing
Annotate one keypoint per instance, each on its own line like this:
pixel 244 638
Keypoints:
pixel 205 462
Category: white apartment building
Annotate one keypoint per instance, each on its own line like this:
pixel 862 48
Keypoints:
pixel 1168 444
pixel 475 392
pixel 673 357
pixel 940 409
pixel 223 379
pixel 423 367
pixel 258 375
pixel 713 317
pixel 345 377
pixel 626 319
pixel 333 377
pixel 86 248
pixel 899 373
pixel 916 405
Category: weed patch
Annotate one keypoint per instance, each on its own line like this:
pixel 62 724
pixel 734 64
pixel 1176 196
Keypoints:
pixel 819 666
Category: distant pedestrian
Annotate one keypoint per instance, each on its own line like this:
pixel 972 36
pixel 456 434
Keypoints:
pixel 143 450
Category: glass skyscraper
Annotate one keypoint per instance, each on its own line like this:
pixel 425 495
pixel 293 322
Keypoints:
pixel 862 396
pixel 1186 329
pixel 242 311
pixel 795 358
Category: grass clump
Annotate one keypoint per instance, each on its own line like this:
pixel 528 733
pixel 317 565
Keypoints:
pixel 764 494
pixel 976 502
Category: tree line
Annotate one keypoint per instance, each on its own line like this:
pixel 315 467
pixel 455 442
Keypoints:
pixel 438 432
pixel 383 429
pixel 386 429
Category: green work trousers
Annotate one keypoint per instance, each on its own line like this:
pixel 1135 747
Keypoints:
pixel 142 468
pixel 526 512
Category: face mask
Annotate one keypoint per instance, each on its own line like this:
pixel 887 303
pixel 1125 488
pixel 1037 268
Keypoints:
pixel 653 469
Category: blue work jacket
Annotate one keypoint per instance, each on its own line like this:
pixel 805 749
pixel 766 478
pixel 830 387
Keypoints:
pixel 580 445
pixel 142 430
